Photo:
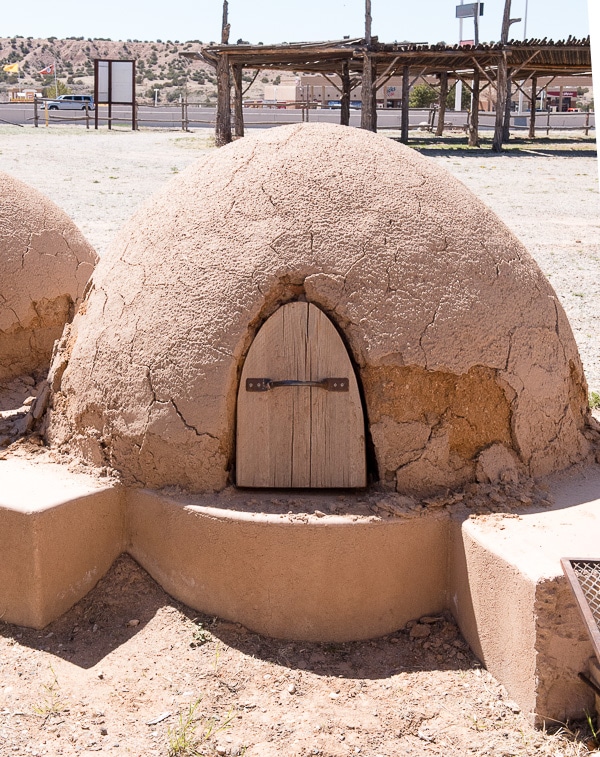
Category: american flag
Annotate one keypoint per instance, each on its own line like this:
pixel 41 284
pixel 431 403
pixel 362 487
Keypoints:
pixel 48 70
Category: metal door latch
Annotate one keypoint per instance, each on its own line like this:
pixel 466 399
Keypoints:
pixel 329 384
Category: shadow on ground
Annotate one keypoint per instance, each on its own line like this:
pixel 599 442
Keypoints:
pixel 103 621
pixel 517 147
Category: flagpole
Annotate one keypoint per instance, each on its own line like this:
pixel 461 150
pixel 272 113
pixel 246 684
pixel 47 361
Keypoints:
pixel 55 81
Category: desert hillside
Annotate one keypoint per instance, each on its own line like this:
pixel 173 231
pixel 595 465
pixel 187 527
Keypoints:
pixel 158 65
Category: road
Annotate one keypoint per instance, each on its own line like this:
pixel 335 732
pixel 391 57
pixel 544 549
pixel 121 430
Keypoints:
pixel 200 117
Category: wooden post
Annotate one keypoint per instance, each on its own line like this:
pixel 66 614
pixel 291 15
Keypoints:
pixel 368 113
pixel 501 82
pixel 500 103
pixel 237 101
pixel 345 103
pixel 368 116
pixel 507 107
pixel 405 96
pixel 474 122
pixel 533 101
pixel 587 122
pixel 35 111
pixel 87 117
pixel 442 103
pixel 223 120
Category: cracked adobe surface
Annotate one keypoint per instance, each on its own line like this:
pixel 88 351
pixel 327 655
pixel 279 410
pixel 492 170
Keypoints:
pixel 45 263
pixel 467 361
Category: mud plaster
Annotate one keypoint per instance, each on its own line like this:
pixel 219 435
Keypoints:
pixel 45 263
pixel 426 285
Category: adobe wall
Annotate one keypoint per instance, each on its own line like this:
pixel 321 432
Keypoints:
pixel 45 263
pixel 467 361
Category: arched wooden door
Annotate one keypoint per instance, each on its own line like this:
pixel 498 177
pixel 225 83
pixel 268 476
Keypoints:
pixel 299 415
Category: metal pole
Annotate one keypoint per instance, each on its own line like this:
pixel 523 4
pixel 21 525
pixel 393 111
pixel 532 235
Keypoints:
pixel 458 85
pixel 521 96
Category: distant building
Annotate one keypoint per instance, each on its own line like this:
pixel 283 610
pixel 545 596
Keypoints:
pixel 559 93
pixel 26 95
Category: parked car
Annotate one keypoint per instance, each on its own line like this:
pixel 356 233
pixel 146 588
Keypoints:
pixel 71 102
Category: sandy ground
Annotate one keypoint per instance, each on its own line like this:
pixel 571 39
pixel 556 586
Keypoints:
pixel 127 667
pixel 546 193
pixel 130 671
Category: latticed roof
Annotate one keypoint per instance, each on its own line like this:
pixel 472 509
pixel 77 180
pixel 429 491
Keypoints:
pixel 533 56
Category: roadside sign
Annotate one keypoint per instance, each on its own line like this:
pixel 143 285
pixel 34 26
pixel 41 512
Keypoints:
pixel 468 10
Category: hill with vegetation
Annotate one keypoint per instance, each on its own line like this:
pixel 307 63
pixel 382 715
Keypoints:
pixel 159 66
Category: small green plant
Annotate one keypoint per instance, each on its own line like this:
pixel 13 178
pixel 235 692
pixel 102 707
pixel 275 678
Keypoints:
pixel 201 636
pixel 594 400
pixel 191 734
pixel 182 739
pixel 52 702
pixel 595 733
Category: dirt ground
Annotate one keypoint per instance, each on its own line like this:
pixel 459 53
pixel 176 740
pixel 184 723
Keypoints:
pixel 130 671
pixel 128 667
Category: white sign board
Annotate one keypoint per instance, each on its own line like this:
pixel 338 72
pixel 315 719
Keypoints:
pixel 102 82
pixel 122 81
pixel 115 81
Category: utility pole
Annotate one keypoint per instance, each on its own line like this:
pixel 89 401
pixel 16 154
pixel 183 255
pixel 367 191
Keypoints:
pixel 223 119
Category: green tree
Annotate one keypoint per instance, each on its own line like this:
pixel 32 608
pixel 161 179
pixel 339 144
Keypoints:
pixel 422 96
pixel 53 91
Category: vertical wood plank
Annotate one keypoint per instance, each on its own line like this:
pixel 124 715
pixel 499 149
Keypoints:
pixel 299 436
pixel 337 422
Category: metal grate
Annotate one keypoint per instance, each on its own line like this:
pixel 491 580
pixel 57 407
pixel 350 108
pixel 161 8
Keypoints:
pixel 584 578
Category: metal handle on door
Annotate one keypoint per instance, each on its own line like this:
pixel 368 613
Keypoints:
pixel 329 384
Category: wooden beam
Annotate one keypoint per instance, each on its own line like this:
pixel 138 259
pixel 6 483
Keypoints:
pixel 238 108
pixel 346 90
pixel 483 73
pixel 500 102
pixel 254 78
pixel 533 101
pixel 474 119
pixel 405 111
pixel 442 103
pixel 223 118
pixel 381 79
pixel 333 83
pixel 507 107
pixel 368 114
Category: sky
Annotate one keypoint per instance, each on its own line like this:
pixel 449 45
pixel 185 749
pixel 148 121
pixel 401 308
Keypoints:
pixel 291 21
